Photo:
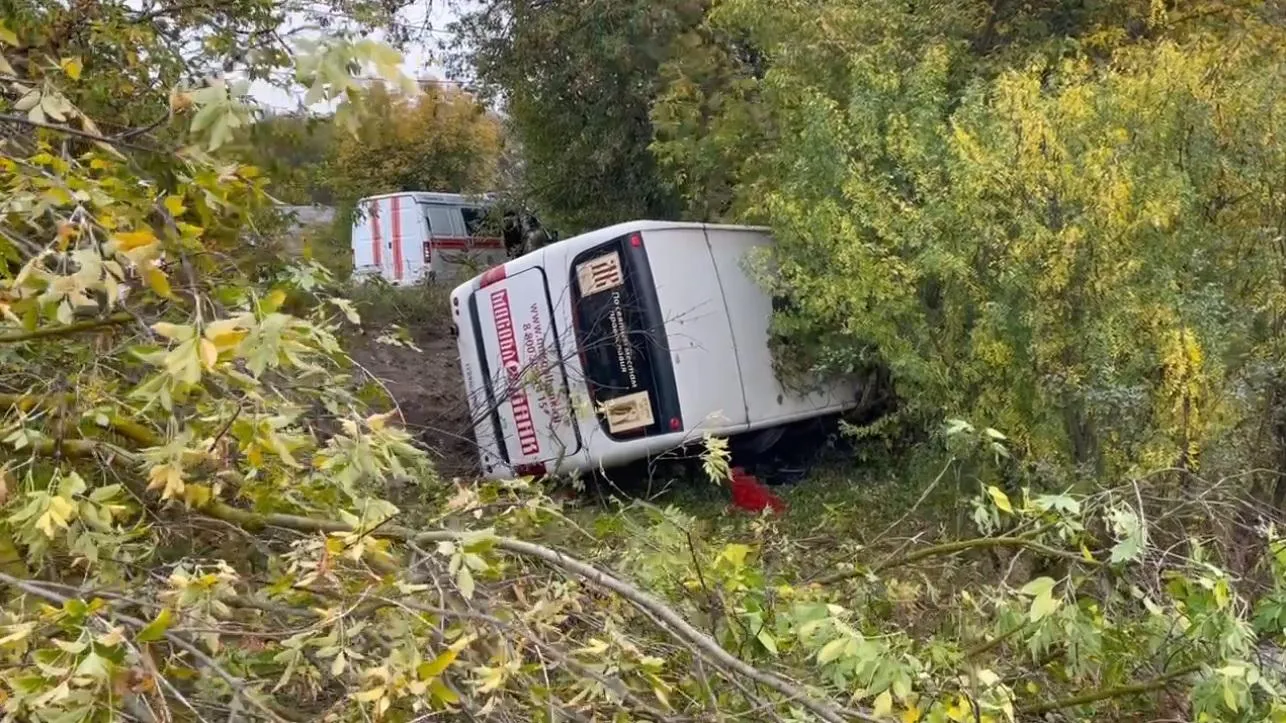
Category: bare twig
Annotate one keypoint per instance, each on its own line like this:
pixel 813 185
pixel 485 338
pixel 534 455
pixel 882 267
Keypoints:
pixel 951 548
pixel 1120 691
pixel 87 135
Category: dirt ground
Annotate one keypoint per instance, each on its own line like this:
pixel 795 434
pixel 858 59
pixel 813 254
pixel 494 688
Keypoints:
pixel 428 388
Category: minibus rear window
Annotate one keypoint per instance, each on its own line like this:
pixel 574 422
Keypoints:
pixel 621 337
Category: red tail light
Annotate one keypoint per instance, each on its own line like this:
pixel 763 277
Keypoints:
pixel 492 275
pixel 535 469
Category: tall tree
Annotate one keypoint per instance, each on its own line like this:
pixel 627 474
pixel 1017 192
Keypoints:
pixel 440 139
pixel 577 81
pixel 1055 219
pixel 294 150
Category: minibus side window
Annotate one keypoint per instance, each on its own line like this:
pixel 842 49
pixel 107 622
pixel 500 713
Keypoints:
pixel 476 221
pixel 621 338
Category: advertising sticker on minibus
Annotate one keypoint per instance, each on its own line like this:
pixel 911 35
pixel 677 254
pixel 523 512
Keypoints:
pixel 627 413
pixel 535 413
pixel 600 274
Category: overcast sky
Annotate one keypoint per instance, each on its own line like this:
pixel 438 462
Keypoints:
pixel 428 18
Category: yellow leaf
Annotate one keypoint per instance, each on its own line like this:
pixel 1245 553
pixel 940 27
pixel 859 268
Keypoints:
pixel 1222 595
pixel 442 693
pixel 209 353
pixel 1000 498
pixel 56 516
pixel 883 705
pixel 157 280
pixel 155 630
pixel 72 67
pixel 11 560
pixel 174 204
pixel 197 495
pixel 112 637
pixel 274 300
pixel 130 240
pixel 176 332
pixel 224 334
pixel 366 696
pixel 168 479
pixel 911 715
pixel 436 666
pixel 7 36
pixel 736 554
pixel 179 101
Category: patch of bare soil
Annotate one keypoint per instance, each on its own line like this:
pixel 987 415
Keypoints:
pixel 429 390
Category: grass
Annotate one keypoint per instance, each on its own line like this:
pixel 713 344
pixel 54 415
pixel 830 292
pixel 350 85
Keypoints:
pixel 413 307
pixel 839 501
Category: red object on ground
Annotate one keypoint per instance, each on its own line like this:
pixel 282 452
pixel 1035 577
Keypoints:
pixel 751 495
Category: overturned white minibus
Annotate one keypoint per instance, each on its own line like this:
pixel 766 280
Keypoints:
pixel 620 344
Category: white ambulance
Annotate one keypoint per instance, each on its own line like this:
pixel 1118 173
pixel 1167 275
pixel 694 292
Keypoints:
pixel 621 344
pixel 408 237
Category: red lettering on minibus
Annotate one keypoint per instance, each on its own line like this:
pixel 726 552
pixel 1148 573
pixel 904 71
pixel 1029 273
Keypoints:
pixel 511 361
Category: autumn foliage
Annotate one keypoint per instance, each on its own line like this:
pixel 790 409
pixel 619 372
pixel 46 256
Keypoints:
pixel 1055 227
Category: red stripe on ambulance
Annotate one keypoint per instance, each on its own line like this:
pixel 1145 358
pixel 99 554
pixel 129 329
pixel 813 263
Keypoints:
pixel 509 358
pixel 397 238
pixel 375 232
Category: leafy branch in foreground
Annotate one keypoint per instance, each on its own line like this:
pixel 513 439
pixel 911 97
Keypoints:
pixel 193 523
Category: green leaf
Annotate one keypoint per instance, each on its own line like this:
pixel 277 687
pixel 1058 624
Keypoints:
pixel 94 666
pixel 1132 538
pixel 832 650
pixel 1043 605
pixel 1230 697
pixel 1039 586
pixel 464 580
pixel 206 116
pixel 766 639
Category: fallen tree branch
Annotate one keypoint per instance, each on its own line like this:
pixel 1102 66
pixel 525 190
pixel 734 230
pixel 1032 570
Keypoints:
pixel 1109 693
pixel 951 548
pixel 237 685
pixel 16 337
pixel 78 448
pixel 122 426
pixel 675 624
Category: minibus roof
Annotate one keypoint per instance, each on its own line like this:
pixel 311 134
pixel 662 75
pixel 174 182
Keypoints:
pixel 629 227
pixel 436 197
